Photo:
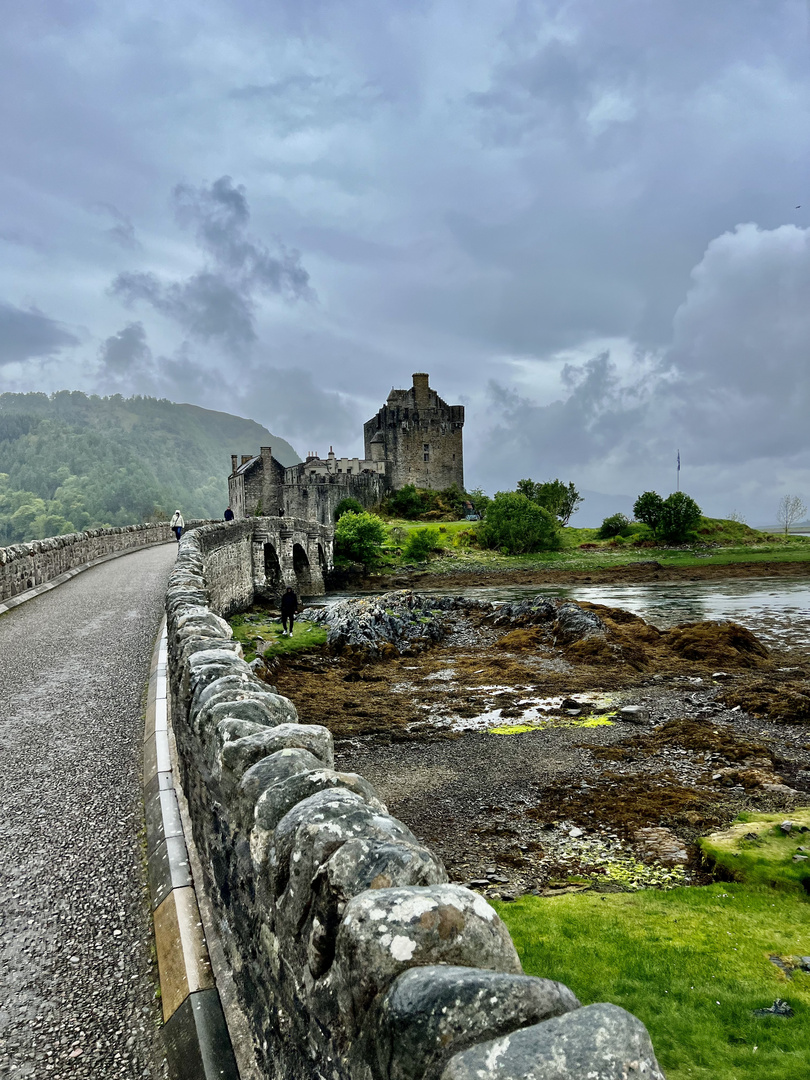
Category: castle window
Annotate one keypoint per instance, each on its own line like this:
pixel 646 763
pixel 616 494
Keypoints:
pixel 348 472
pixel 426 447
pixel 426 457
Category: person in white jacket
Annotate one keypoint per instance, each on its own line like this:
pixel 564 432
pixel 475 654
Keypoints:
pixel 178 525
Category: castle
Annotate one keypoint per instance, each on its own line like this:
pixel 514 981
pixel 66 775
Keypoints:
pixel 415 438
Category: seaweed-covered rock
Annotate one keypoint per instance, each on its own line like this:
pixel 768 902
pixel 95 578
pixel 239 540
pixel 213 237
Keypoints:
pixel 391 624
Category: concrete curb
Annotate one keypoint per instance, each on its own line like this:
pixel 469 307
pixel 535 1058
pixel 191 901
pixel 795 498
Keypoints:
pixel 198 1045
pixel 60 579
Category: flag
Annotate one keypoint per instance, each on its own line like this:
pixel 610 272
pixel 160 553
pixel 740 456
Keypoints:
pixel 679 461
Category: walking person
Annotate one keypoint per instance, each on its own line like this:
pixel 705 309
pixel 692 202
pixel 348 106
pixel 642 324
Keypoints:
pixel 289 606
pixel 177 525
pixel 228 515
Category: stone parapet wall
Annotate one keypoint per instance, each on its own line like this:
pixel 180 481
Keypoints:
pixel 354 957
pixel 24 566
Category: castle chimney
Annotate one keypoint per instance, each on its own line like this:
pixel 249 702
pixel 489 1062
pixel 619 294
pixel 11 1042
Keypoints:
pixel 421 390
pixel 234 462
pixel 267 458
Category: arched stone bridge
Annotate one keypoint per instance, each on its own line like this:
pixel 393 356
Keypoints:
pixel 290 551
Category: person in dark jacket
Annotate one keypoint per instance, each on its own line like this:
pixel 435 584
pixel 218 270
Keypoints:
pixel 228 515
pixel 289 606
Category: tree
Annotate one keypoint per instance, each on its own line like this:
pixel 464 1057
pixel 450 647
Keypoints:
pixel 516 524
pixel 680 514
pixel 615 525
pixel 790 510
pixel 359 537
pixel 346 505
pixel 479 500
pixel 555 496
pixel 648 508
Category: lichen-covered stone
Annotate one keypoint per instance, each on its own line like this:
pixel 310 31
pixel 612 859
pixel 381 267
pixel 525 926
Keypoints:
pixel 239 687
pixel 201 620
pixel 431 1013
pixel 598 1042
pixel 240 683
pixel 238 756
pixel 254 711
pixel 207 666
pixel 314 841
pixel 278 799
pixel 360 864
pixel 270 770
pixel 385 932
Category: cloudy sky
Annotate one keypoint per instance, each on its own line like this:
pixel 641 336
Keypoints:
pixel 589 221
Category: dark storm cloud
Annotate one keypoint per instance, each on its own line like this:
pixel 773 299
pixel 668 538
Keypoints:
pixel 26 335
pixel 591 421
pixel 122 231
pixel 125 351
pixel 492 189
pixel 219 301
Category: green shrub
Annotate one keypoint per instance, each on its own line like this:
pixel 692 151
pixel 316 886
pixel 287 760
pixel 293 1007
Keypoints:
pixel 648 508
pixel 680 516
pixel 414 503
pixel 516 524
pixel 348 505
pixel 671 519
pixel 557 497
pixel 420 543
pixel 615 525
pixel 359 537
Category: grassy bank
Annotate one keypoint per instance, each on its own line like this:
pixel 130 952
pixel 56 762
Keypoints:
pixel 717 543
pixel 694 963
pixel 258 631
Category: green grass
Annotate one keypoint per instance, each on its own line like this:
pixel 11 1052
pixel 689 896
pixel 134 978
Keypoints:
pixel 755 850
pixel 250 627
pixel 691 963
pixel 736 543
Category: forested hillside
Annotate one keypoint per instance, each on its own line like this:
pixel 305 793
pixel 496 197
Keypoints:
pixel 70 462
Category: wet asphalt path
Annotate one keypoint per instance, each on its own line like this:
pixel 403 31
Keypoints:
pixel 77 980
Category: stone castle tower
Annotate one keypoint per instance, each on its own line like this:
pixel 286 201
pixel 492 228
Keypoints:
pixel 418 436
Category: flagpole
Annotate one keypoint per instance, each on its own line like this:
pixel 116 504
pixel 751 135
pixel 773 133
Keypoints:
pixel 679 471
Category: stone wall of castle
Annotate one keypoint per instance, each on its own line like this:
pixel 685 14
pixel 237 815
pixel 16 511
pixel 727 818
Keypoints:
pixel 420 438
pixel 353 956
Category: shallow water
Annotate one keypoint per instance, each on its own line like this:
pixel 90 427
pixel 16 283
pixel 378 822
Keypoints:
pixel 776 610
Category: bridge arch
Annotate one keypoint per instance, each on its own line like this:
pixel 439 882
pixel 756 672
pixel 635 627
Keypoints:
pixel 272 567
pixel 302 570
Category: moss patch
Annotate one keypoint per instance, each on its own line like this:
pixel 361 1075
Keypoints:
pixel 755 849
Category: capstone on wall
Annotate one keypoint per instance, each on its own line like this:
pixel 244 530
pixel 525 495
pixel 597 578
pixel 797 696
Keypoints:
pixel 353 956
pixel 24 566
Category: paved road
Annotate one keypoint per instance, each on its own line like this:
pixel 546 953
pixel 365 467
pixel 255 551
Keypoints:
pixel 77 978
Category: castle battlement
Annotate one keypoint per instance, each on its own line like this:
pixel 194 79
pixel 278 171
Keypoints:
pixel 415 438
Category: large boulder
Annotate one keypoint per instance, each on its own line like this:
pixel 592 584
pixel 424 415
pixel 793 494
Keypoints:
pixel 431 1013
pixel 387 931
pixel 600 1042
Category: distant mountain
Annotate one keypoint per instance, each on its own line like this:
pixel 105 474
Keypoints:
pixel 69 461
